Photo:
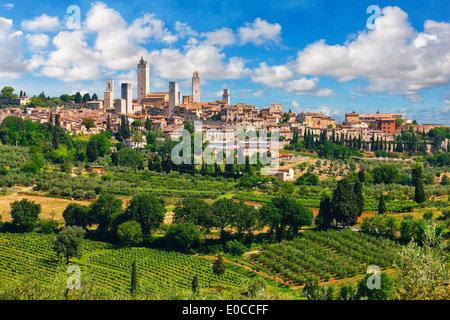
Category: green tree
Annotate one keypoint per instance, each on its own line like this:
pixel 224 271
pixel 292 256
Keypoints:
pixel 184 237
pixel 385 173
pixel 69 242
pixel 285 216
pixel 94 97
pixel 383 293
pixel 191 210
pixel 8 92
pixel 362 175
pixel 423 275
pixel 357 189
pixel 77 215
pixel 218 267
pixel 381 204
pixel 130 233
pixel 347 292
pixel 344 202
pixel 86 97
pixel 115 158
pixel 147 210
pixel 89 123
pixel 419 192
pixel 92 151
pixel 136 124
pixel 221 214
pixel 25 215
pixel 325 216
pixel 312 290
pixel 78 98
pixel 103 143
pixel 416 173
pixel 194 285
pixel 104 209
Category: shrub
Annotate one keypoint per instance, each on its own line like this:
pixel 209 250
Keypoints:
pixel 48 226
pixel 78 194
pixel 130 233
pixel 89 195
pixel 235 248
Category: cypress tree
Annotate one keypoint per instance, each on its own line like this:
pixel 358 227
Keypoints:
pixel 218 267
pixel 92 151
pixel 194 285
pixel 357 189
pixel 108 125
pixel 381 204
pixel 325 216
pixel 362 175
pixel 419 192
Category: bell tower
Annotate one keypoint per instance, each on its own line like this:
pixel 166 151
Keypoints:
pixel 195 87
pixel 143 79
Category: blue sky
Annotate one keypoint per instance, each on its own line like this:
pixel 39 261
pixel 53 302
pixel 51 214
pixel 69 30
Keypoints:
pixel 309 55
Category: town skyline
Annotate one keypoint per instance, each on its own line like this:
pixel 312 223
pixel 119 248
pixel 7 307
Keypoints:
pixel 253 55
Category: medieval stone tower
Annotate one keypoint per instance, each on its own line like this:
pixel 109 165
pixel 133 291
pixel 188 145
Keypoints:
pixel 108 95
pixel 143 79
pixel 174 96
pixel 195 87
pixel 126 95
pixel 226 96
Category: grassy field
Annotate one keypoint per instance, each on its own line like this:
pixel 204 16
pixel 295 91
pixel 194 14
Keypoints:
pixel 52 208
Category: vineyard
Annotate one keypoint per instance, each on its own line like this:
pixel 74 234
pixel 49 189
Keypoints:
pixel 109 267
pixel 327 254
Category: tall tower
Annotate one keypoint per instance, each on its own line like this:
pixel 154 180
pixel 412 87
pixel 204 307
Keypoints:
pixel 173 96
pixel 143 79
pixel 195 87
pixel 108 96
pixel 226 96
pixel 126 95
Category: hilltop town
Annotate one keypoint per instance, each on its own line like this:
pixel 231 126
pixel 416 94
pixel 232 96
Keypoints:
pixel 168 111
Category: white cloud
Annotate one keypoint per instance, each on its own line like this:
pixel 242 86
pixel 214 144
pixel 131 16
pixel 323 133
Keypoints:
pixel 206 59
pixel 259 93
pixel 324 92
pixel 118 46
pixel 72 60
pixel 395 58
pixel 274 76
pixel 41 23
pixel 184 30
pixel 260 32
pixel 283 77
pixel 301 86
pixel 221 37
pixel 295 104
pixel 7 6
pixel 12 63
pixel 37 41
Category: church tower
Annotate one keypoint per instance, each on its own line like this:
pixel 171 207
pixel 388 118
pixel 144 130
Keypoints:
pixel 143 79
pixel 226 96
pixel 108 96
pixel 195 87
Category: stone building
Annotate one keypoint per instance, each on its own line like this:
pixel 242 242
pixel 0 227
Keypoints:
pixel 143 80
pixel 195 88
